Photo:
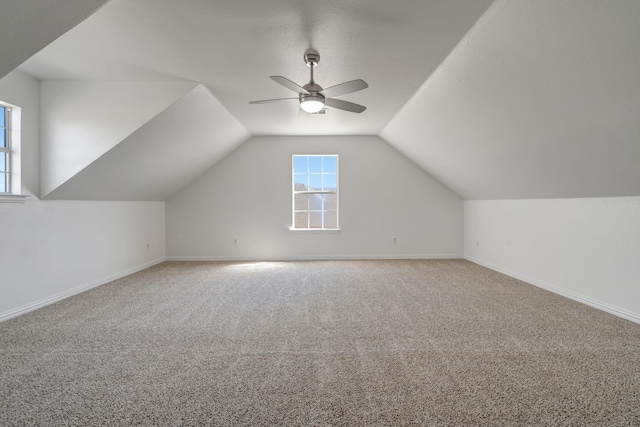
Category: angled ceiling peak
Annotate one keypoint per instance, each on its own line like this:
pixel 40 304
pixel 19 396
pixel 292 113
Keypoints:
pixel 234 46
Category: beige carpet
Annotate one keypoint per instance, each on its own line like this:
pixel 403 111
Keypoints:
pixel 358 343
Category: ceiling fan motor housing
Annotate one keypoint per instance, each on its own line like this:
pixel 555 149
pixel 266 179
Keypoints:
pixel 312 97
pixel 312 87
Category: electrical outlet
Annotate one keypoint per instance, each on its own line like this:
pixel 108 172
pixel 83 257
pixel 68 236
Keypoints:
pixel 148 246
pixel 478 243
pixel 235 241
pixel 395 240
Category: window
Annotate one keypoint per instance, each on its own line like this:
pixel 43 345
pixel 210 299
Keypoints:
pixel 10 180
pixel 315 192
pixel 5 149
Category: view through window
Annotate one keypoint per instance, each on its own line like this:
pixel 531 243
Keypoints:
pixel 315 192
pixel 5 150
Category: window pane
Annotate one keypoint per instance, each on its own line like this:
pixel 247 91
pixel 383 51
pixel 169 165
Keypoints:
pixel 3 139
pixel 330 163
pixel 3 183
pixel 315 164
pixel 2 116
pixel 301 182
pixel 313 174
pixel 315 181
pixel 301 220
pixel 300 164
pixel 3 162
pixel 329 182
pixel 330 202
pixel 301 202
pixel 330 219
pixel 315 220
pixel 315 202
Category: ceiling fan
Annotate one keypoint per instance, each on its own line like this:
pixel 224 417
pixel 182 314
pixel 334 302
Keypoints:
pixel 313 97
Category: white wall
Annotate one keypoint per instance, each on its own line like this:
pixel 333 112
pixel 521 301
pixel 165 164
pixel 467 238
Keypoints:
pixel 49 250
pixel 586 249
pixel 248 196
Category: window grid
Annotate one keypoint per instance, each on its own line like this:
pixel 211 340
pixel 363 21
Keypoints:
pixel 5 150
pixel 315 192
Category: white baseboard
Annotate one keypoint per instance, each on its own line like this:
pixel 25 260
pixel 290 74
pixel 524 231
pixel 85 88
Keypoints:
pixel 600 305
pixel 78 289
pixel 315 257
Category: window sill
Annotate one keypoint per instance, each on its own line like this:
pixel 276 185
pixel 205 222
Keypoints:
pixel 12 198
pixel 316 230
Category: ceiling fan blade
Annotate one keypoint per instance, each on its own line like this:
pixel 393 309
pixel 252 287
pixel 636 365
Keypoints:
pixel 344 88
pixel 344 105
pixel 266 101
pixel 289 84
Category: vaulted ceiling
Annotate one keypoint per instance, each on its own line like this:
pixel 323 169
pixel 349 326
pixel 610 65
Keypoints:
pixel 27 26
pixel 496 100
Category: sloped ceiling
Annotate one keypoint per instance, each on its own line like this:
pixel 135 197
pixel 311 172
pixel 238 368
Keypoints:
pixel 541 99
pixel 81 121
pixel 26 26
pixel 503 100
pixel 234 46
pixel 169 151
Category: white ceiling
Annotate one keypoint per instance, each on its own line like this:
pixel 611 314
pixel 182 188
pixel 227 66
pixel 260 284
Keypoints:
pixel 27 26
pixel 510 99
pixel 234 46
pixel 540 100
pixel 149 164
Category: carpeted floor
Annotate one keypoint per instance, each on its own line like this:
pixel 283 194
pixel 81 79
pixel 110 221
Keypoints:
pixel 358 343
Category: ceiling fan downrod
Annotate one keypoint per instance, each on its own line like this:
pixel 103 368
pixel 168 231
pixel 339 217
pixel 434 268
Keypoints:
pixel 311 58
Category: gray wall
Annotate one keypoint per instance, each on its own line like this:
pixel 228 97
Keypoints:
pixel 248 196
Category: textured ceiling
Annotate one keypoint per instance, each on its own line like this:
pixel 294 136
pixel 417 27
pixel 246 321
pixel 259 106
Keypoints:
pixel 510 99
pixel 26 26
pixel 540 100
pixel 149 164
pixel 234 46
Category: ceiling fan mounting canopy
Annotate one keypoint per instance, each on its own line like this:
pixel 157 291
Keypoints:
pixel 311 58
pixel 312 97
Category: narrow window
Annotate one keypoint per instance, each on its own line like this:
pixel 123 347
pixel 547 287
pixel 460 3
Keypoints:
pixel 315 192
pixel 10 179
pixel 5 149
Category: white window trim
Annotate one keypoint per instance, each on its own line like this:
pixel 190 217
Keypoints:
pixel 6 129
pixel 12 198
pixel 13 120
pixel 337 193
pixel 316 230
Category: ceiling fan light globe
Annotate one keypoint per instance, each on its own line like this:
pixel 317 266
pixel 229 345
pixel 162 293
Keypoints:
pixel 311 105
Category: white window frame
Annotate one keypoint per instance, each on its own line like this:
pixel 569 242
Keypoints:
pixel 294 192
pixel 7 150
pixel 13 118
